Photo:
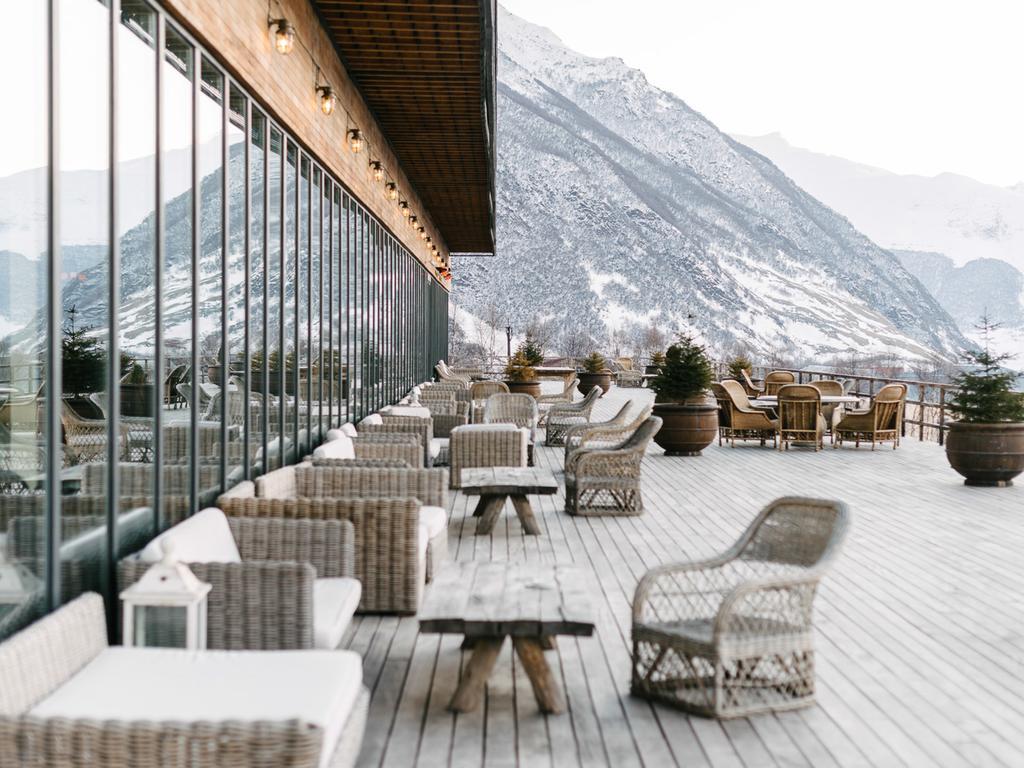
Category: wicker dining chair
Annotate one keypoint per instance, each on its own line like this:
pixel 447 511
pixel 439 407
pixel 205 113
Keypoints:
pixel 602 433
pixel 732 635
pixel 800 418
pixel 606 481
pixel 561 416
pixel 777 379
pixel 738 419
pixel 480 392
pixel 752 389
pixel 881 423
pixel 565 396
pixel 446 374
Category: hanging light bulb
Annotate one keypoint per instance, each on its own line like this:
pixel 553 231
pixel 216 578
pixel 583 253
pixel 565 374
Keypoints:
pixel 412 222
pixel 328 99
pixel 427 238
pixel 356 142
pixel 404 208
pixel 392 189
pixel 423 234
pixel 378 171
pixel 284 35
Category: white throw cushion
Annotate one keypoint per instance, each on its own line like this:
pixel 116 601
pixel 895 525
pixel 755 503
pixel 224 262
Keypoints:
pixel 418 411
pixel 348 428
pixel 436 445
pixel 485 428
pixel 164 684
pixel 334 604
pixel 203 538
pixel 374 419
pixel 435 519
pixel 340 448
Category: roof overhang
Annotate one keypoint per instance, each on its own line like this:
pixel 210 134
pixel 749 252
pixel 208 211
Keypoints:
pixel 426 69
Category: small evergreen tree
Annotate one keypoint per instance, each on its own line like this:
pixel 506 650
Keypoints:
pixel 738 365
pixel 594 363
pixel 658 359
pixel 532 350
pixel 519 368
pixel 83 359
pixel 686 373
pixel 984 393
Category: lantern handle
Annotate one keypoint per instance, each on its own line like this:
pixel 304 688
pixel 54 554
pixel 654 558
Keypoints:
pixel 168 546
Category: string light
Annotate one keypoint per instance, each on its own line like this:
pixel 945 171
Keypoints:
pixel 392 190
pixel 404 208
pixel 328 99
pixel 378 170
pixel 356 142
pixel 284 35
pixel 412 222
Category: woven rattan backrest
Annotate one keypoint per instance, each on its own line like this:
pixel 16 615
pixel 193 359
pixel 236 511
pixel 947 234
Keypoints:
pixel 776 379
pixel 828 387
pixel 724 404
pixel 484 389
pixel 430 486
pixel 515 408
pixel 746 379
pixel 888 406
pixel 591 397
pixel 799 407
pixel 736 394
pixel 643 435
pixel 795 532
pixel 136 479
pixel 41 658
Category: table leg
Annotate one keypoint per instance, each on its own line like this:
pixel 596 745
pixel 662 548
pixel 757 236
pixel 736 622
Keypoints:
pixel 545 687
pixel 495 504
pixel 525 512
pixel 481 506
pixel 470 692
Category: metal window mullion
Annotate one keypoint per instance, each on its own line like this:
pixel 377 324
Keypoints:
pixel 309 306
pixel 54 313
pixel 113 341
pixel 246 297
pixel 330 304
pixel 193 436
pixel 265 371
pixel 282 425
pixel 158 263
pixel 225 360
pixel 296 276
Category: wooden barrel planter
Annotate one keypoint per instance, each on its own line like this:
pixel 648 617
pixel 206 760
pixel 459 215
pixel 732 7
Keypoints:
pixel 531 388
pixel 587 381
pixel 987 455
pixel 686 430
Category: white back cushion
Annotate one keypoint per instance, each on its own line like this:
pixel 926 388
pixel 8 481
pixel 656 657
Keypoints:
pixel 373 419
pixel 485 428
pixel 406 410
pixel 203 538
pixel 340 448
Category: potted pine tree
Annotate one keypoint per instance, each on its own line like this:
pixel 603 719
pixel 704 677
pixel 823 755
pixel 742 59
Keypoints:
pixel 137 392
pixel 520 376
pixel 986 442
pixel 657 361
pixel 689 417
pixel 533 351
pixel 595 374
pixel 738 365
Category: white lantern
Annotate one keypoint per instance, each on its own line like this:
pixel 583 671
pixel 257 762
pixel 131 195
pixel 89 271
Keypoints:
pixel 17 583
pixel 414 396
pixel 168 597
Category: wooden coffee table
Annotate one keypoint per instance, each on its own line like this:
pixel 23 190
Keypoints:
pixel 495 484
pixel 528 602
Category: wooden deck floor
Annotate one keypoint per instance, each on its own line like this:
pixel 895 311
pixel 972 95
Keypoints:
pixel 920 627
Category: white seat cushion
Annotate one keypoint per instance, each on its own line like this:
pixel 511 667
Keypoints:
pixel 334 603
pixel 419 411
pixel 348 428
pixel 339 448
pixel 163 684
pixel 435 519
pixel 374 419
pixel 484 428
pixel 203 538
pixel 438 446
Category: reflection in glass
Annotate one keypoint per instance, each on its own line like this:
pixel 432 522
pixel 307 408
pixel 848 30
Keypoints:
pixel 303 273
pixel 257 291
pixel 290 295
pixel 238 398
pixel 275 306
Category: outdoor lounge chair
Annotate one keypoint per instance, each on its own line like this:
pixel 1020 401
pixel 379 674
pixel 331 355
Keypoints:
pixel 370 445
pixel 800 418
pixel 487 445
pixel 881 423
pixel 738 419
pixel 565 396
pixel 833 412
pixel 564 415
pixel 777 379
pixel 255 566
pixel 732 635
pixel 600 433
pixel 480 392
pixel 68 698
pixel 446 374
pixel 752 389
pixel 606 481
pixel 420 426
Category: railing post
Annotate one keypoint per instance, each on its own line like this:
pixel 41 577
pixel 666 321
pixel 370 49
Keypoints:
pixel 942 415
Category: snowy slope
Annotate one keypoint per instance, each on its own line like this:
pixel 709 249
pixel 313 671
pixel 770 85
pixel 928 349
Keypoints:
pixel 618 204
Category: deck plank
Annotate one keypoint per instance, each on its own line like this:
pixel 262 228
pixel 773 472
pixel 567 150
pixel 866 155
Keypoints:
pixel 919 629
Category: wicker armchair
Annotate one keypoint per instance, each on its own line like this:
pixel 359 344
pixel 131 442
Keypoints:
pixel 752 389
pixel 447 375
pixel 833 412
pixel 775 380
pixel 38 661
pixel 881 423
pixel 732 635
pixel 422 428
pixel 738 419
pixel 606 481
pixel 603 435
pixel 480 392
pixel 387 560
pixel 564 415
pixel 486 445
pixel 629 378
pixel 281 561
pixel 85 439
pixel 800 418
pixel 565 396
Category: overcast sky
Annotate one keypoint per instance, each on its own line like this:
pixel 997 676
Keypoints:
pixel 913 86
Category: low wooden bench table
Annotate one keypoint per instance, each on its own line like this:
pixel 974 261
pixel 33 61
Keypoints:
pixel 528 602
pixel 495 484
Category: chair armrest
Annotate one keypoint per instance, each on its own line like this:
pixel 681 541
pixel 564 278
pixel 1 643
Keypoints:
pixel 362 463
pixel 768 605
pixel 445 423
pixel 327 545
pixel 254 605
pixel 278 484
pixel 679 591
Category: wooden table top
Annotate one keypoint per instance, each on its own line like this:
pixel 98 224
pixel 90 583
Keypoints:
pixel 770 401
pixel 501 598
pixel 508 480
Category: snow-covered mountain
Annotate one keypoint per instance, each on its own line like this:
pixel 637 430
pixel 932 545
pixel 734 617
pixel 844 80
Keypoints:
pixel 618 205
pixel 949 214
pixel 963 239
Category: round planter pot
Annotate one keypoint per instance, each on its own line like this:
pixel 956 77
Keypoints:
pixel 137 399
pixel 686 430
pixel 986 454
pixel 587 381
pixel 531 388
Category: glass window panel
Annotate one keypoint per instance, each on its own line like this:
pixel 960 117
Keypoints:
pixel 290 301
pixel 275 304
pixel 236 292
pixel 338 316
pixel 316 397
pixel 257 289
pixel 23 333
pixel 303 278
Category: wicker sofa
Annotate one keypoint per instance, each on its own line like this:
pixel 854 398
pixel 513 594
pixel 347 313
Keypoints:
pixel 69 699
pixel 487 445
pixel 277 584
